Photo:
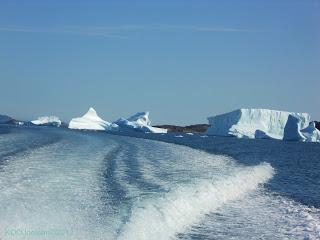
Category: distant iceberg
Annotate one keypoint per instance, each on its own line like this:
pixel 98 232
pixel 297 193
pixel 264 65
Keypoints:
pixel 47 121
pixel 139 122
pixel 254 123
pixel 90 121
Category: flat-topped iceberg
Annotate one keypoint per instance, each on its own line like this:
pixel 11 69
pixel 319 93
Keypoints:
pixel 47 121
pixel 139 122
pixel 90 121
pixel 254 123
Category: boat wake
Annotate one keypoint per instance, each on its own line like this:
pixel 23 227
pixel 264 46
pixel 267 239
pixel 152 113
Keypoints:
pixel 173 213
pixel 86 185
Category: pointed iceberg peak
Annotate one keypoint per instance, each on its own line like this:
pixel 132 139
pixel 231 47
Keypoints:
pixel 91 113
pixel 90 121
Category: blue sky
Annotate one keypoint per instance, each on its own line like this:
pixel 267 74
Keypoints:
pixel 181 60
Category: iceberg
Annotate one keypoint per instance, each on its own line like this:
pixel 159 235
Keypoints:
pixel 139 122
pixel 90 121
pixel 311 133
pixel 254 123
pixel 292 130
pixel 47 121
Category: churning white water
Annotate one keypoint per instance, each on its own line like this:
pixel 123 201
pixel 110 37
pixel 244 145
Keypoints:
pixel 60 184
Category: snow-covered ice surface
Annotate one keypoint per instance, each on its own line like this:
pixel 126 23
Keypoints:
pixel 139 122
pixel 90 121
pixel 251 123
pixel 81 185
pixel 47 120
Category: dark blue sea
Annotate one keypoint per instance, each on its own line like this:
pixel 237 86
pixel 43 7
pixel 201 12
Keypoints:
pixel 57 183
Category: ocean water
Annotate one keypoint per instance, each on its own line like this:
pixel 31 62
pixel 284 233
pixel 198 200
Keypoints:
pixel 61 184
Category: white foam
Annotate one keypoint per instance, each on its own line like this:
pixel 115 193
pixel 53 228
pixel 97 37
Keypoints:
pixel 164 217
pixel 260 213
pixel 56 190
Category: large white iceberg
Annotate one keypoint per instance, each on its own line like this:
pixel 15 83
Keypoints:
pixel 254 123
pixel 90 121
pixel 47 120
pixel 139 122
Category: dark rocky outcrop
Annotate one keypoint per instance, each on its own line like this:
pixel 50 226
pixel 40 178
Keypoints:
pixel 196 128
pixel 4 119
pixel 317 125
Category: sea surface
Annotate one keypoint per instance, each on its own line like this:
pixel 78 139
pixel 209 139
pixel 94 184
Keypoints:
pixel 57 183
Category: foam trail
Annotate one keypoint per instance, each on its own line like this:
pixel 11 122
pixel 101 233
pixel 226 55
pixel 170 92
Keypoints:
pixel 57 189
pixel 164 217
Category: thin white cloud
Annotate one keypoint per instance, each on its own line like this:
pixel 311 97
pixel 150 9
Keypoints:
pixel 62 30
pixel 173 27
pixel 120 31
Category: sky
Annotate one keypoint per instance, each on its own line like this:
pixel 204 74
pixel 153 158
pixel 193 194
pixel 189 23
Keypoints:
pixel 181 60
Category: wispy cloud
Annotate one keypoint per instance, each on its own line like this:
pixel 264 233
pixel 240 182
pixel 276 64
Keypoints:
pixel 86 31
pixel 120 31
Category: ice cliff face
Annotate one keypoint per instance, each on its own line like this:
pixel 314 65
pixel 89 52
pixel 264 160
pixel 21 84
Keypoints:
pixel 254 123
pixel 90 121
pixel 139 122
pixel 47 121
pixel 292 131
pixel 311 133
